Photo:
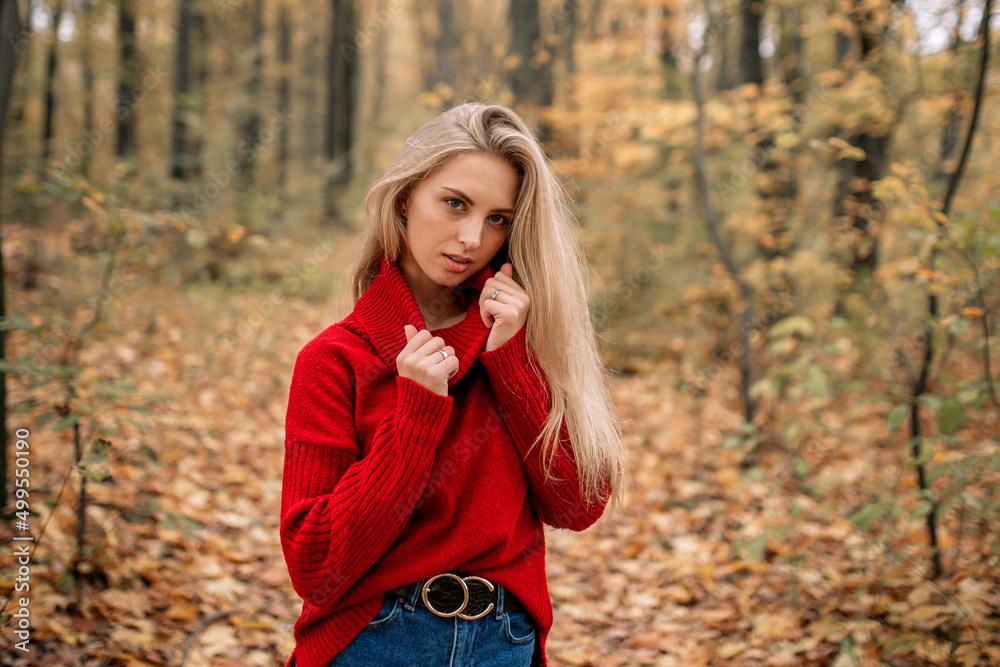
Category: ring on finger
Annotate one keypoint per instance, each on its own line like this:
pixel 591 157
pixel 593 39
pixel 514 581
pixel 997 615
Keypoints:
pixel 496 290
pixel 444 352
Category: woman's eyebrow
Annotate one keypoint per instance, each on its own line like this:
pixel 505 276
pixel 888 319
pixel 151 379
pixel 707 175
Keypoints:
pixel 471 203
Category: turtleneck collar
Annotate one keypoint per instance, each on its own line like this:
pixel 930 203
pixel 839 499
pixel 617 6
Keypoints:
pixel 388 304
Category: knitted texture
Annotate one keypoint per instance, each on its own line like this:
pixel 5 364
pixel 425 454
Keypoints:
pixel 386 482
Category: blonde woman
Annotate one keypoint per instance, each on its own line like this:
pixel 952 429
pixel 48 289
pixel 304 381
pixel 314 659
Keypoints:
pixel 461 405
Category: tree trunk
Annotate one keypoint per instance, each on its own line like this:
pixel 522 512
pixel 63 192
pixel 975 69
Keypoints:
pixel 182 89
pixel 445 44
pixel 790 53
pixel 723 75
pixel 531 79
pixel 87 76
pixel 12 41
pixel 284 96
pixel 50 73
pixel 341 69
pixel 672 75
pixel 190 76
pixel 10 24
pixel 378 88
pixel 129 78
pixel 855 202
pixel 595 14
pixel 566 23
pixel 311 121
pixel 712 226
pixel 249 139
pixel 751 64
pixel 427 58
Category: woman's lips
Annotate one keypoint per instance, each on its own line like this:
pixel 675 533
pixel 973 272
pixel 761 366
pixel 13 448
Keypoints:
pixel 457 267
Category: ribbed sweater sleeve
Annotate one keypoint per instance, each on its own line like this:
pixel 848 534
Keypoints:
pixel 524 402
pixel 340 511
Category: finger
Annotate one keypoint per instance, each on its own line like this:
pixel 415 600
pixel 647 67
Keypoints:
pixel 507 269
pixel 409 331
pixel 450 351
pixel 495 310
pixel 505 283
pixel 431 346
pixel 416 340
pixel 486 309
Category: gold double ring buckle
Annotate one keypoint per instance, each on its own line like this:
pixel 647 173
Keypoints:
pixel 465 592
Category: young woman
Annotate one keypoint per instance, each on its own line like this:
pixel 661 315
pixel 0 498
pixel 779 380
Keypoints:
pixel 458 407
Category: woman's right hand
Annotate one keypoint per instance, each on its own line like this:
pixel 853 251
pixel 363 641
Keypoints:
pixel 421 360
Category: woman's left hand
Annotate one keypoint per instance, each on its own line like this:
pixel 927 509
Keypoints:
pixel 506 314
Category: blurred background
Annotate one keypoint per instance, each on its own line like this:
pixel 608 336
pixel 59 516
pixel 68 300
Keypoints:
pixel 792 217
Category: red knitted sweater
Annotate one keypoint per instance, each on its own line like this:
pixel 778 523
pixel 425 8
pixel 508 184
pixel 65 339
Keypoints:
pixel 386 482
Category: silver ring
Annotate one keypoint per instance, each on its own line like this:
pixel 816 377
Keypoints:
pixel 442 351
pixel 496 290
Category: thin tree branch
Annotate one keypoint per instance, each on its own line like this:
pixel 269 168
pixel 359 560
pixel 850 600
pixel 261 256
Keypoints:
pixel 712 225
pixel 920 387
pixel 984 59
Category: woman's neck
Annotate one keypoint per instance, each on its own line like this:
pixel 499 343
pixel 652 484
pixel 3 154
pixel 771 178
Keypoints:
pixel 440 305
pixel 447 309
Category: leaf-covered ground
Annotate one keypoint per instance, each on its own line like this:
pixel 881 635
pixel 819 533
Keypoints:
pixel 716 562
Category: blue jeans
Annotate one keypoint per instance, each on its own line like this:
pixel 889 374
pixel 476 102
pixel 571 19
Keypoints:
pixel 406 634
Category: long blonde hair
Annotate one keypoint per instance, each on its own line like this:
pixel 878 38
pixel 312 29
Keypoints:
pixel 548 264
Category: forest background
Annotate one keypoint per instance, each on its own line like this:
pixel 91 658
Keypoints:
pixel 792 215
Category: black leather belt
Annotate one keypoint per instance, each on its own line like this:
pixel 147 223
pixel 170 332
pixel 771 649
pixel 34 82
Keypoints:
pixel 450 595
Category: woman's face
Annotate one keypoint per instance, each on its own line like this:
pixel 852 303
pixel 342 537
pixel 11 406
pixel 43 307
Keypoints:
pixel 456 220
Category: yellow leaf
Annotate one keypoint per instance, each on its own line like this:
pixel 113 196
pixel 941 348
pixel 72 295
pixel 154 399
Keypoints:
pixel 971 311
pixel 852 153
pixel 941 217
pixel 512 61
pixel 787 140
pixel 236 233
pixel 889 187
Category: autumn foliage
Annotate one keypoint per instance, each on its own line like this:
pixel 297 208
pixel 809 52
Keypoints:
pixel 794 279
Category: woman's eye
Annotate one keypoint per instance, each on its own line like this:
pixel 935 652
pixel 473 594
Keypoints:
pixel 498 219
pixel 454 203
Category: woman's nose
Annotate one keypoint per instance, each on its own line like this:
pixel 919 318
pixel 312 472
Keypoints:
pixel 470 233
